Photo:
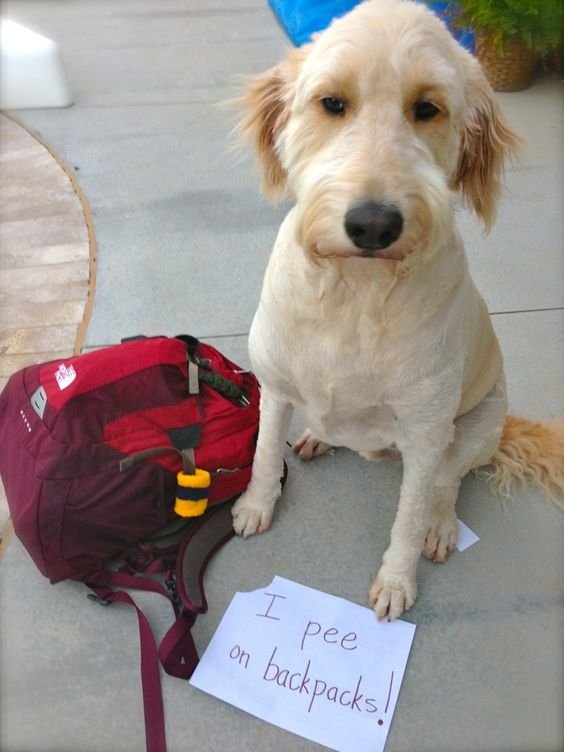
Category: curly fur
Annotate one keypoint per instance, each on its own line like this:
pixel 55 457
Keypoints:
pixel 395 352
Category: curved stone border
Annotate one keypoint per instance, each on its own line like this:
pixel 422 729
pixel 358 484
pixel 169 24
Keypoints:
pixel 47 259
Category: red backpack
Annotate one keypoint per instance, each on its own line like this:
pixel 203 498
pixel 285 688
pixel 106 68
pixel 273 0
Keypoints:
pixel 108 454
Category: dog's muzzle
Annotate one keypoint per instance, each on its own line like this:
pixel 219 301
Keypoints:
pixel 373 226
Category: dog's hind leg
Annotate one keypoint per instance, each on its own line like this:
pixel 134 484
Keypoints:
pixel 476 438
pixel 252 512
pixel 309 446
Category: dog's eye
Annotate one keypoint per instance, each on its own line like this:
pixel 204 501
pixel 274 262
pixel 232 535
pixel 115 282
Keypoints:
pixel 424 111
pixel 333 106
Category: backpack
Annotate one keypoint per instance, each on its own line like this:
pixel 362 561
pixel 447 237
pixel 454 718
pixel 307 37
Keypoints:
pixel 129 452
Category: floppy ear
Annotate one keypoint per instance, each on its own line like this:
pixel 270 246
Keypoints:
pixel 486 143
pixel 267 103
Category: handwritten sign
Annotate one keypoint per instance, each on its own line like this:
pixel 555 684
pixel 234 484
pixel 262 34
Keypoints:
pixel 311 663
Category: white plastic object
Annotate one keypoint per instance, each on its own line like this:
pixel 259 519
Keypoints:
pixel 31 70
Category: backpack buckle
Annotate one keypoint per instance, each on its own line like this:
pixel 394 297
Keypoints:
pixel 98 599
pixel 170 585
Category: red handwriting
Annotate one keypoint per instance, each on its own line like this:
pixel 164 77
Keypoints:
pixel 267 614
pixel 314 687
pixel 301 681
pixel 314 628
pixel 241 656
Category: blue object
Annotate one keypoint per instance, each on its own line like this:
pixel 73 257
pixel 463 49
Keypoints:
pixel 447 11
pixel 302 18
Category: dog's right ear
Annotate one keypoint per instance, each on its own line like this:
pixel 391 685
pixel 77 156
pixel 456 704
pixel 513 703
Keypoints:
pixel 486 143
pixel 267 102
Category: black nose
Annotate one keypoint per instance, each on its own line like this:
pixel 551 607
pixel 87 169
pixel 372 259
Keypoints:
pixel 373 226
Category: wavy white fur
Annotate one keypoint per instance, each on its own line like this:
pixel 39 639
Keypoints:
pixel 394 351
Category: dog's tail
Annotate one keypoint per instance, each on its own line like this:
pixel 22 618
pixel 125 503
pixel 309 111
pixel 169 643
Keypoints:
pixel 531 452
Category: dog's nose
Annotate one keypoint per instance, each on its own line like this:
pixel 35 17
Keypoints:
pixel 373 226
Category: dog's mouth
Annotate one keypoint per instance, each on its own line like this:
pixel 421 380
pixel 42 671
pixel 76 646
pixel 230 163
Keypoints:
pixel 395 252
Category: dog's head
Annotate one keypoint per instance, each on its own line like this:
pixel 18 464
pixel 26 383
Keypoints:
pixel 372 127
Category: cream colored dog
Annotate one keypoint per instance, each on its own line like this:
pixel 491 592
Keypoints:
pixel 369 320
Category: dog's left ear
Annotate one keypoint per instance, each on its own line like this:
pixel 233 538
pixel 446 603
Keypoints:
pixel 486 142
pixel 267 102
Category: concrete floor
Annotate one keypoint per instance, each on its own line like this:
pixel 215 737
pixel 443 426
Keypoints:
pixel 183 239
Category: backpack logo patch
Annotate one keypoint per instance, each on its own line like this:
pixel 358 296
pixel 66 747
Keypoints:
pixel 38 402
pixel 65 376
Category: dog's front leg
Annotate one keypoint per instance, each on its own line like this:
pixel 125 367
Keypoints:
pixel 252 513
pixel 395 588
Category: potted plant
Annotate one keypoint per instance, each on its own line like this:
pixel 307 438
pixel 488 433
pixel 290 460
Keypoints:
pixel 511 36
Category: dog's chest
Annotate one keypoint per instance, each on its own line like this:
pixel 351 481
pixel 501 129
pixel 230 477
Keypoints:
pixel 344 350
pixel 340 380
pixel 368 428
pixel 344 401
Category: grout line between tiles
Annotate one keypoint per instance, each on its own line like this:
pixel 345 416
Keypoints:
pixel 527 310
pixel 223 336
pixel 202 337
pixel 234 335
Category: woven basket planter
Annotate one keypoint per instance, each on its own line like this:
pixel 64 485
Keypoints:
pixel 508 70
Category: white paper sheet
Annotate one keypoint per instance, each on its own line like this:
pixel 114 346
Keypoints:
pixel 466 537
pixel 311 663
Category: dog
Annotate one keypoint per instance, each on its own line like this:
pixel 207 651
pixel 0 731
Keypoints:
pixel 368 319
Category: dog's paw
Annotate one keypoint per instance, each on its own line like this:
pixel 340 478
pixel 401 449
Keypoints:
pixel 441 537
pixel 250 517
pixel 308 446
pixel 392 594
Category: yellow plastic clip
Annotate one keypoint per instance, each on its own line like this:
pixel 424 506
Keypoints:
pixel 191 493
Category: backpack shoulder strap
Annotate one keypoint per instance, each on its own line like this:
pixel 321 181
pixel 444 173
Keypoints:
pixel 205 536
pixel 177 651
pixel 203 539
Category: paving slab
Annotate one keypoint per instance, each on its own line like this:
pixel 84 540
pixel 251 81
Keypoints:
pixel 519 265
pixel 485 672
pixel 174 205
pixel 183 239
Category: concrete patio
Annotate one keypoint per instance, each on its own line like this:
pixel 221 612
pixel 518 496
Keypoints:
pixel 183 238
